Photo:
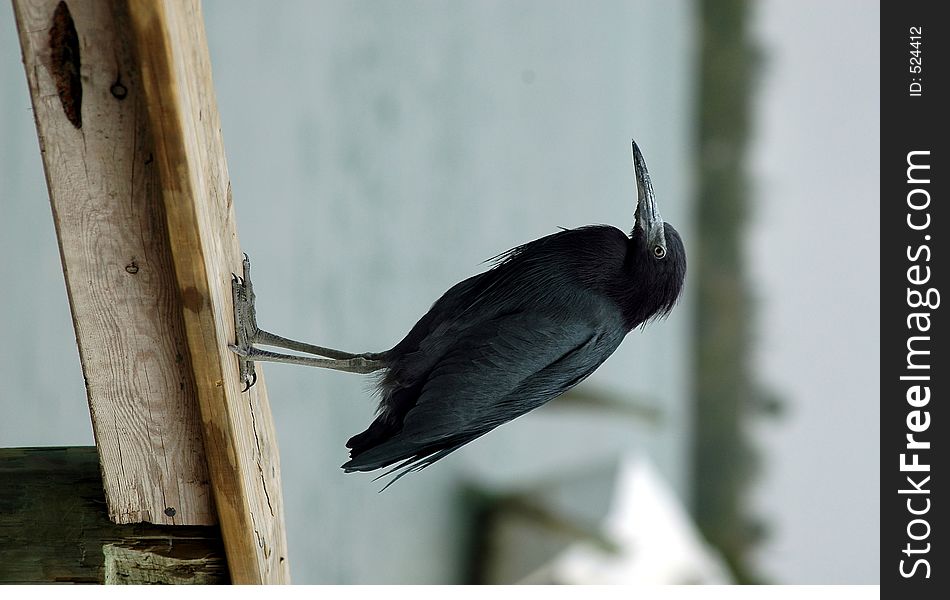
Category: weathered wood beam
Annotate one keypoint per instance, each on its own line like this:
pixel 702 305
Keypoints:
pixel 153 561
pixel 152 55
pixel 54 528
pixel 105 193
pixel 240 441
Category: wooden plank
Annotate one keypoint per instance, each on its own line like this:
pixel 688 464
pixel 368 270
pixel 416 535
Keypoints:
pixel 106 199
pixel 55 528
pixel 108 127
pixel 153 561
pixel 240 441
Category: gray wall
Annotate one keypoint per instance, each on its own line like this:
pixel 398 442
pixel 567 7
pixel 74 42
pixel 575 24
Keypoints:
pixel 378 153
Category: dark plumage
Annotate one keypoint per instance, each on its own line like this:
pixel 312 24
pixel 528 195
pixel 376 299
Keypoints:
pixel 504 342
pixel 501 343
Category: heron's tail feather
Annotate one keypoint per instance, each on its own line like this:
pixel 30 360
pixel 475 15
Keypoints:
pixel 406 455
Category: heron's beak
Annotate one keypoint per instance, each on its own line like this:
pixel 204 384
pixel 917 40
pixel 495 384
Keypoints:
pixel 647 215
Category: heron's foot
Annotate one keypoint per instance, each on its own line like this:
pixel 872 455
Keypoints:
pixel 245 323
pixel 247 334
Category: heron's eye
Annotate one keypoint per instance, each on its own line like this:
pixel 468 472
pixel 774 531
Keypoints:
pixel 659 251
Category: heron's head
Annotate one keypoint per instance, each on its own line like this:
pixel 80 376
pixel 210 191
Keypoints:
pixel 658 256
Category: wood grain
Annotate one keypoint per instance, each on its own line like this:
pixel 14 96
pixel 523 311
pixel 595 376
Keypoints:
pixel 186 562
pixel 55 527
pixel 105 194
pixel 240 441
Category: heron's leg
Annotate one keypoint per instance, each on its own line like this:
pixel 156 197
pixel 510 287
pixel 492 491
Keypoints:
pixel 359 363
pixel 270 339
pixel 248 334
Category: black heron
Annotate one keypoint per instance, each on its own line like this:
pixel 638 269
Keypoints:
pixel 501 343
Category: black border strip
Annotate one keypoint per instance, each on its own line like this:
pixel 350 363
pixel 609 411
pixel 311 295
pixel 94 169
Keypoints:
pixel 915 374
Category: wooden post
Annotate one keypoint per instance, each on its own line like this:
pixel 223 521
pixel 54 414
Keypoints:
pixel 110 222
pixel 240 442
pixel 131 141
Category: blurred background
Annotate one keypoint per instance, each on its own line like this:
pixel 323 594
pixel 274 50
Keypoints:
pixel 379 152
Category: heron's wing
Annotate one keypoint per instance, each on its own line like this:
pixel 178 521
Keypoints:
pixel 501 370
pixel 495 372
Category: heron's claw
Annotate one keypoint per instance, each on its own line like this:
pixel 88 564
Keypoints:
pixel 249 384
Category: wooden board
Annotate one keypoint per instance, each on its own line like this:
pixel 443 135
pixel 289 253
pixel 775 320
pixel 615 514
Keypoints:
pixel 110 222
pixel 132 86
pixel 240 441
